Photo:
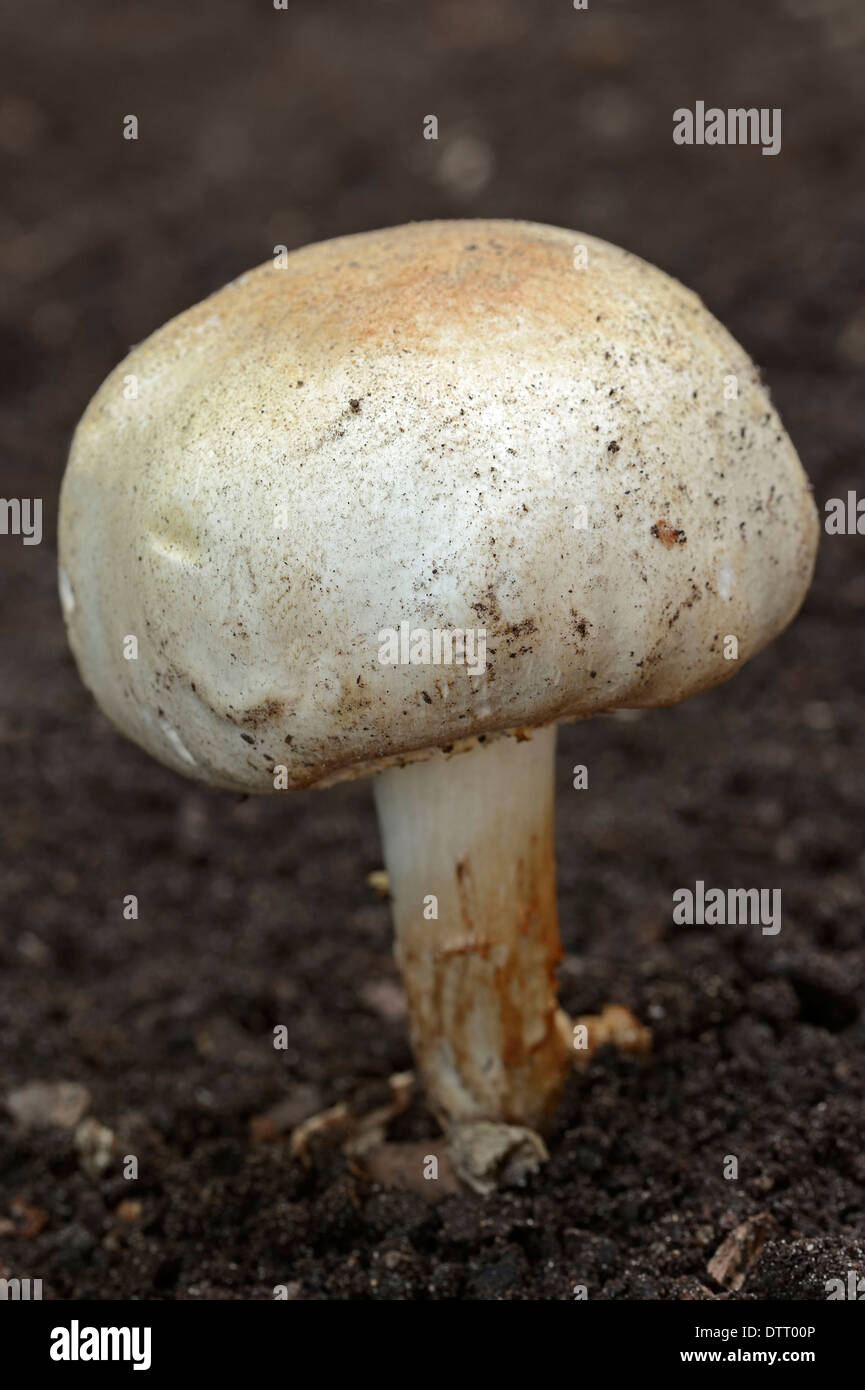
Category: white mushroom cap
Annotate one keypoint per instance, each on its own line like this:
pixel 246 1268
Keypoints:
pixel 411 425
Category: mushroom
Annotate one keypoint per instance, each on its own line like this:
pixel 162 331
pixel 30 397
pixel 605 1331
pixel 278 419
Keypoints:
pixel 397 506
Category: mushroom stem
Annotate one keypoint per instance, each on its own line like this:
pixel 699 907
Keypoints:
pixel 470 837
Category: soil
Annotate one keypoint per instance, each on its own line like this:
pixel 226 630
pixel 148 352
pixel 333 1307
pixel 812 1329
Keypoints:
pixel 260 127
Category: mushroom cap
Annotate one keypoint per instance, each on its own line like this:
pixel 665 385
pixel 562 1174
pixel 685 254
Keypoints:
pixel 458 426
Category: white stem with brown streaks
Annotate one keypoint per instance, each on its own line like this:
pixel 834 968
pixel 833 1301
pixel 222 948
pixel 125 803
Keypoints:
pixel 475 832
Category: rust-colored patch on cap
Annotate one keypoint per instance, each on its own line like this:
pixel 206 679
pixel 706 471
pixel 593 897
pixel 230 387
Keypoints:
pixel 667 534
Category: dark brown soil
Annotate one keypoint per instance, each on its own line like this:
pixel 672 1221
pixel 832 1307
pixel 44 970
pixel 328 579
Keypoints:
pixel 260 127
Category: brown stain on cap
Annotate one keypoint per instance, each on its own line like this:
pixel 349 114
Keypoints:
pixel 668 535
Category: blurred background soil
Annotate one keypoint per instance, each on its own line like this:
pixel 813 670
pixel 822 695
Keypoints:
pixel 260 127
